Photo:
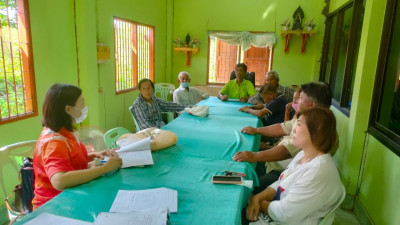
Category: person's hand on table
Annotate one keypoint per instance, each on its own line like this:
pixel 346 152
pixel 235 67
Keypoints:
pixel 249 130
pixel 113 163
pixel 253 209
pixel 243 99
pixel 245 156
pixel 224 98
pixel 244 109
pixel 109 153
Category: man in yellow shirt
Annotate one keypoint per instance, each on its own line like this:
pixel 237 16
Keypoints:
pixel 238 88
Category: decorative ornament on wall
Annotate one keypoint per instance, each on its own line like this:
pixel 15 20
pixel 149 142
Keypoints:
pixel 190 46
pixel 297 29
pixel 187 39
pixel 298 16
pixel 103 53
pixel 285 24
pixel 309 25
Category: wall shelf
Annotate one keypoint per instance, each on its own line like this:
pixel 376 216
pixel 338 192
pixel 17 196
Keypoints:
pixel 287 34
pixel 188 51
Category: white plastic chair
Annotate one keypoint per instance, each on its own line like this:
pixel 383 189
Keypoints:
pixel 328 219
pixel 7 158
pixel 164 91
pixel 92 137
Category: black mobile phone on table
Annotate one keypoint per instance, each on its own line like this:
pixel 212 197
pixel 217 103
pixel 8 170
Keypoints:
pixel 226 179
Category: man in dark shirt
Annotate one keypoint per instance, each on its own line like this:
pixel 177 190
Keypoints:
pixel 274 109
pixel 272 77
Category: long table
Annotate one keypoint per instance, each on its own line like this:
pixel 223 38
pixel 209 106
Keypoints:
pixel 205 146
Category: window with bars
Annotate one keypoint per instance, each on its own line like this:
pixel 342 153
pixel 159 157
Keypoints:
pixel 17 84
pixel 223 58
pixel 134 54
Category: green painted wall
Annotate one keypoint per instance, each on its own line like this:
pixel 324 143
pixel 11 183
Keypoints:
pixel 54 60
pixel 335 4
pixel 55 45
pixel 113 109
pixel 377 187
pixel 379 192
pixel 86 30
pixel 53 40
pixel 58 49
pixel 199 17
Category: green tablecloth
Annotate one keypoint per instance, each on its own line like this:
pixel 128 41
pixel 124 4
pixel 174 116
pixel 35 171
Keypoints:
pixel 205 146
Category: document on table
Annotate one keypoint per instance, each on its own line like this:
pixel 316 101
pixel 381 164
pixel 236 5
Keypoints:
pixel 50 219
pixel 136 154
pixel 233 100
pixel 127 201
pixel 143 217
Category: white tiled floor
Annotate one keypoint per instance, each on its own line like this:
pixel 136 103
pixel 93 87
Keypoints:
pixel 343 217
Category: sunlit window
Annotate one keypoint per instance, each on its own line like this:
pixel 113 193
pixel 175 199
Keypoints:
pixel 17 85
pixel 134 54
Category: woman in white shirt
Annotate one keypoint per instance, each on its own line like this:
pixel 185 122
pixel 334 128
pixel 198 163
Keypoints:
pixel 310 186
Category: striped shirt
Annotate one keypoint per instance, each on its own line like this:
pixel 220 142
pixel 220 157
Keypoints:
pixel 283 90
pixel 149 115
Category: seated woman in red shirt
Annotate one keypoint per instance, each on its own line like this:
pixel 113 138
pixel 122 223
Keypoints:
pixel 60 160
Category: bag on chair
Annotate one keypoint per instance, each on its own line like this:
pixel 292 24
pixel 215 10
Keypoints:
pixel 19 202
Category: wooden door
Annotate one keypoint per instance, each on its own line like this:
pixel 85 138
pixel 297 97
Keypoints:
pixel 257 61
pixel 226 61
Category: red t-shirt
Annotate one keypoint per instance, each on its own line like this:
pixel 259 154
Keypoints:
pixel 55 152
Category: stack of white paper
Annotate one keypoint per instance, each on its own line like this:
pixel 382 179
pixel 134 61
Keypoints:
pixel 144 217
pixel 136 154
pixel 127 201
pixel 50 219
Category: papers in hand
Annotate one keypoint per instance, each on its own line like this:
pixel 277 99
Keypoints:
pixel 143 217
pixel 127 201
pixel 50 219
pixel 136 153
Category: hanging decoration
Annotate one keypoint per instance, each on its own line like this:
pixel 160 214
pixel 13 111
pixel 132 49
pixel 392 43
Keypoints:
pixel 189 46
pixel 297 29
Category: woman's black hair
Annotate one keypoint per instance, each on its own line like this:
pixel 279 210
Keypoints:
pixel 54 115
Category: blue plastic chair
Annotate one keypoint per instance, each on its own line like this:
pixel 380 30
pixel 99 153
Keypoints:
pixel 111 136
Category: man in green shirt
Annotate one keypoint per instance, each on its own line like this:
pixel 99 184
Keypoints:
pixel 238 88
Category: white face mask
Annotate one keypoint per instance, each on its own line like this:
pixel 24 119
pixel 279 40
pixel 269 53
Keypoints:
pixel 185 84
pixel 84 112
